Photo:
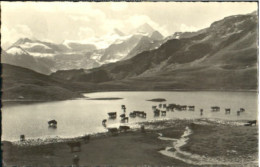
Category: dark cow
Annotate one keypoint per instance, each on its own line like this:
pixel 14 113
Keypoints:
pixel 163 113
pixel 154 107
pixel 22 137
pixel 74 144
pixel 164 105
pixel 132 115
pixel 52 123
pixel 157 112
pixel 215 108
pixel 191 108
pixel 250 123
pixel 227 110
pixel 124 128
pixel 238 113
pixel 201 112
pixel 184 107
pixel 122 115
pixel 125 119
pixel 242 109
pixel 112 115
pixel 112 130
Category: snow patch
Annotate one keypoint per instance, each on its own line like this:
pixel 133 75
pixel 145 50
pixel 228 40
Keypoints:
pixel 16 51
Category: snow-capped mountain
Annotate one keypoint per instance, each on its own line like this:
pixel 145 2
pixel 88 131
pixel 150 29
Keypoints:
pixel 86 54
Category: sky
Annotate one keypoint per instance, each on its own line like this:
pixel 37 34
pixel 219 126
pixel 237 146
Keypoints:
pixel 59 21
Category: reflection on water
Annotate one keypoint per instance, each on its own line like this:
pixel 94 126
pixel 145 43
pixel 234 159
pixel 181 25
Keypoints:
pixel 81 116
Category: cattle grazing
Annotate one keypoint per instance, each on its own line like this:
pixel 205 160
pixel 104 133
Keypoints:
pixel 157 112
pixel 123 108
pixel 227 110
pixel 22 137
pixel 52 123
pixel 132 115
pixel 201 112
pixel 74 144
pixel 163 113
pixel 122 115
pixel 215 108
pixel 184 107
pixel 112 115
pixel 242 109
pixel 124 128
pixel 112 130
pixel 104 122
pixel 154 107
pixel 238 113
pixel 250 123
pixel 125 119
pixel 191 108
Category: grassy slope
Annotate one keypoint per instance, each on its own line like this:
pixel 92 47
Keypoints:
pixel 18 81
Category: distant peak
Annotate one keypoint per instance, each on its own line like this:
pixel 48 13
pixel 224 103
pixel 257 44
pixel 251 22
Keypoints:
pixel 156 35
pixel 145 28
pixel 16 50
pixel 22 41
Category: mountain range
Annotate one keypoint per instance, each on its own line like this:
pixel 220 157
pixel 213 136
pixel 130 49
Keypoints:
pixel 46 57
pixel 220 57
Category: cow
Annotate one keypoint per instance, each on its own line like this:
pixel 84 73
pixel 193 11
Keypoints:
pixel 22 137
pixel 52 123
pixel 112 130
pixel 112 115
pixel 124 128
pixel 191 108
pixel 242 109
pixel 215 108
pixel 125 119
pixel 201 112
pixel 227 110
pixel 250 123
pixel 122 115
pixel 163 113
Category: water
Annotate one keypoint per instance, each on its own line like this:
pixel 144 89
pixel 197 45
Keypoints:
pixel 81 116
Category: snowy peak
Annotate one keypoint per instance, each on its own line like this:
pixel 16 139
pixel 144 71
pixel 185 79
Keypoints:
pixel 156 35
pixel 16 50
pixel 144 29
pixel 22 41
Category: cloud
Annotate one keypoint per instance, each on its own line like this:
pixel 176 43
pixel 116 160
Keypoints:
pixel 14 33
pixel 85 32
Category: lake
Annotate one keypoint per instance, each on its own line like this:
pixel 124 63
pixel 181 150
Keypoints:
pixel 81 116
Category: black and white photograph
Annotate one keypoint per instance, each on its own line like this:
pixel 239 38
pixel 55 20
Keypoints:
pixel 129 84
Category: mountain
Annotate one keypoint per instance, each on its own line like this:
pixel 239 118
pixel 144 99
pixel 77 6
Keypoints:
pixel 19 57
pixel 145 44
pixel 47 57
pixel 222 56
pixel 26 85
pixel 144 29
pixel 156 35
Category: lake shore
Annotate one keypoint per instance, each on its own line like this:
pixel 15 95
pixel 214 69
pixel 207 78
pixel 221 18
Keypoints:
pixel 227 142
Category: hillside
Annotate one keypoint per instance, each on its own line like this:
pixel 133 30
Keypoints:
pixel 26 85
pixel 220 57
